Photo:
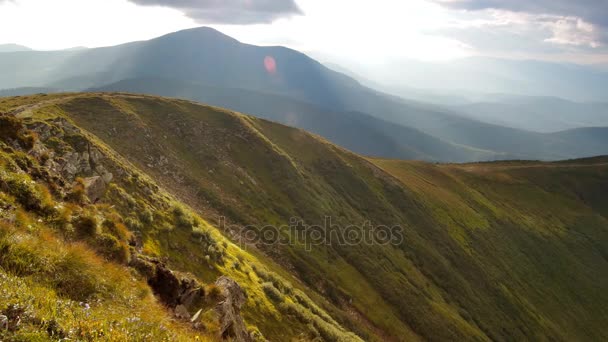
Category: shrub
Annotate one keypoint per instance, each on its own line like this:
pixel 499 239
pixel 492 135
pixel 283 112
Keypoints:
pixel 16 258
pixel 133 224
pixel 182 218
pixel 10 127
pixel 213 292
pixel 78 192
pixel 30 195
pixel 146 216
pixel 117 229
pixel 73 278
pixel 109 246
pixel 57 145
pixel 63 217
pixel 29 139
pixel 272 293
pixel 85 225
pixel 202 236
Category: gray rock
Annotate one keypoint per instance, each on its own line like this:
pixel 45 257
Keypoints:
pixel 95 187
pixel 232 325
pixel 181 312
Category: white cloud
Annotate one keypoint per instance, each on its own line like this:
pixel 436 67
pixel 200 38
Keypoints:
pixel 350 31
pixel 573 31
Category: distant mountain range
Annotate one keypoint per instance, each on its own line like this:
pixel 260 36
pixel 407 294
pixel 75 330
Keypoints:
pixel 205 65
pixel 540 114
pixel 13 48
pixel 481 75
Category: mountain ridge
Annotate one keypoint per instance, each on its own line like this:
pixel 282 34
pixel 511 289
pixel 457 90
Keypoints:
pixel 207 57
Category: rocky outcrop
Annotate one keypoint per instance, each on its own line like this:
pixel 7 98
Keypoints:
pixel 67 152
pixel 186 297
pixel 173 289
pixel 232 325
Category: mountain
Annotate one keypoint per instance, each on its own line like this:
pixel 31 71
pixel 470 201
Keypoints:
pixel 412 250
pixel 13 48
pixel 354 130
pixel 539 114
pixel 27 91
pixel 473 76
pixel 204 56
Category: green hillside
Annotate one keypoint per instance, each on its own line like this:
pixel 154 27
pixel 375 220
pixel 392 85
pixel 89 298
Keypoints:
pixel 489 251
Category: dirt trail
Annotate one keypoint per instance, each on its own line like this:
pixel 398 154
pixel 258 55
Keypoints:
pixel 26 111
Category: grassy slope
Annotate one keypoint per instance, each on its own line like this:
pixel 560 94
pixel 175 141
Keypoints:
pixel 491 251
pixel 355 131
pixel 538 231
pixel 170 232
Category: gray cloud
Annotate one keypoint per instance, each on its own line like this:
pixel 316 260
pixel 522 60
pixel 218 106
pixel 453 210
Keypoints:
pixel 592 11
pixel 229 11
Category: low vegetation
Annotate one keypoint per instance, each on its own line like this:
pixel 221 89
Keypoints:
pixel 490 251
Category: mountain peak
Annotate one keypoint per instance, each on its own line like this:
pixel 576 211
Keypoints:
pixel 202 32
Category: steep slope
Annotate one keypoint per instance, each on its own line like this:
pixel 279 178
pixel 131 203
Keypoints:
pixel 86 239
pixel 206 56
pixel 491 251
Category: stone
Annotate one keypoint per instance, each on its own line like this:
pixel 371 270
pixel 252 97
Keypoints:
pixel 166 285
pixel 95 187
pixel 174 290
pixel 197 316
pixel 232 326
pixel 181 312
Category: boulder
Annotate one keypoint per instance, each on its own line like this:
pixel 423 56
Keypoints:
pixel 181 312
pixel 232 325
pixel 94 187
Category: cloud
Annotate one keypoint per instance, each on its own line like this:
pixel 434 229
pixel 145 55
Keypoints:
pixel 240 12
pixel 524 35
pixel 574 31
pixel 591 11
pixel 571 24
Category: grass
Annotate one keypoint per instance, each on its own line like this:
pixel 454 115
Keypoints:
pixel 132 206
pixel 491 251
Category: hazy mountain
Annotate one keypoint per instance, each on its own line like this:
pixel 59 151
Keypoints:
pixel 354 130
pixel 481 75
pixel 540 114
pixel 76 48
pixel 13 48
pixel 206 56
pixel 27 91
pixel 108 199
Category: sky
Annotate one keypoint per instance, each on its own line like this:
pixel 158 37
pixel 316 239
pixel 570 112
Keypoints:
pixel 340 31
